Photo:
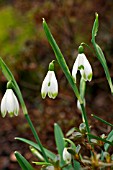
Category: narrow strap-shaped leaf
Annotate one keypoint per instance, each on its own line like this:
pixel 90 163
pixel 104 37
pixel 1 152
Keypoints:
pixel 49 154
pixel 59 138
pixel 109 138
pixel 95 27
pixel 42 163
pixel 76 165
pixel 102 120
pixel 24 164
pixel 99 53
pixel 7 73
pixel 101 139
pixel 61 59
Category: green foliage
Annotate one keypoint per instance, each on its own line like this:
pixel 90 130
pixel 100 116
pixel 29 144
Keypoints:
pixel 24 164
pixel 49 153
pixel 78 137
pixel 15 29
pixel 59 141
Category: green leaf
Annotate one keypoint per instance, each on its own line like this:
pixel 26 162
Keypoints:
pixel 95 27
pixel 101 139
pixel 61 59
pixel 76 165
pixel 24 164
pixel 7 73
pixel 42 163
pixel 59 141
pixel 102 120
pixel 109 138
pixel 50 154
pixel 100 54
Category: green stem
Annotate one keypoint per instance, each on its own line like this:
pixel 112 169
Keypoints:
pixel 86 120
pixel 9 76
pixel 18 92
pixel 36 137
pixel 88 47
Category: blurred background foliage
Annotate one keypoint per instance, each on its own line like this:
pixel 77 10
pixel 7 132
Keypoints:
pixel 25 49
pixel 23 44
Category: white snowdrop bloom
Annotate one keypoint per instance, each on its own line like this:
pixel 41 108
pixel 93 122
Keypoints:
pixel 49 85
pixel 66 156
pixel 82 64
pixel 9 104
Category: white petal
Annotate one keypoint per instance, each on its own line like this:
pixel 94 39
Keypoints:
pixel 75 68
pixel 81 59
pixel 3 106
pixel 53 88
pixel 10 102
pixel 16 105
pixel 66 155
pixel 87 71
pixel 44 89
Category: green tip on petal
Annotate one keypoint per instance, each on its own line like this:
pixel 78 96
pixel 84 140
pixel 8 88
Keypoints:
pixel 43 95
pixel 54 95
pixel 90 77
pixel 3 114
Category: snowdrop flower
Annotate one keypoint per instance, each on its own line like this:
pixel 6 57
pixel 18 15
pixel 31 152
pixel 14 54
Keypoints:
pixel 49 85
pixel 82 64
pixel 9 104
pixel 66 156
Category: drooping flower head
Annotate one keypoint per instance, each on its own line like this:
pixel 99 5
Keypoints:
pixel 83 65
pixel 66 156
pixel 9 104
pixel 50 84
